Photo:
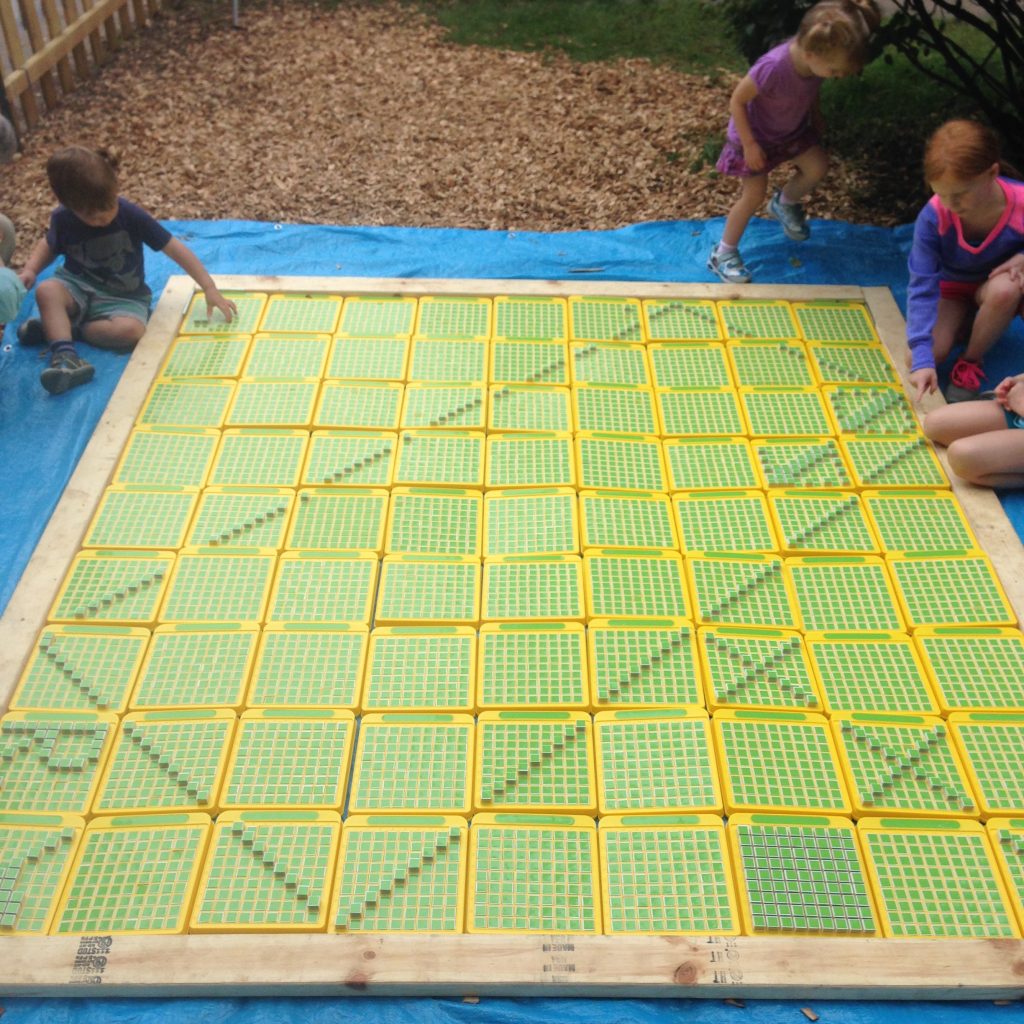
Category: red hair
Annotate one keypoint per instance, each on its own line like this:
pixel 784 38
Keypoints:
pixel 964 149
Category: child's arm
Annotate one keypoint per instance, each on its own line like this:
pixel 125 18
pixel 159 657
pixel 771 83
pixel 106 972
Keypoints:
pixel 744 93
pixel 193 266
pixel 39 259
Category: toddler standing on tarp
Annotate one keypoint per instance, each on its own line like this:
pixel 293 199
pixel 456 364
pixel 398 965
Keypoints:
pixel 100 290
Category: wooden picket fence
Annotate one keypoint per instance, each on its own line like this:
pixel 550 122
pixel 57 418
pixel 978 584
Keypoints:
pixel 50 46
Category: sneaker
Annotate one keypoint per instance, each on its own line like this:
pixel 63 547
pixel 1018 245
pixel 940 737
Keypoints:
pixel 964 382
pixel 30 333
pixel 729 267
pixel 66 371
pixel 791 216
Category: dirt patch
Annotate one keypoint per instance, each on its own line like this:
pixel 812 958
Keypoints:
pixel 364 115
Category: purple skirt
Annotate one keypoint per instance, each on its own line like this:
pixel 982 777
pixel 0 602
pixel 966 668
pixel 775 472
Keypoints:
pixel 731 161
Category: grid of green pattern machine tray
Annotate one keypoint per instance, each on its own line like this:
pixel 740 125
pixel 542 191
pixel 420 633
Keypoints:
pixel 627 519
pixel 309 666
pixel 724 521
pixel 529 362
pixel 1006 836
pixel 187 403
pixel 533 665
pixel 870 672
pixel 698 412
pixel 134 874
pixel 643 663
pixel 991 749
pixel 81 668
pixel 596 362
pixel 255 457
pixel 656 761
pixel 51 760
pixel 284 356
pixel 950 589
pixel 529 318
pixel 756 668
pixel 870 409
pixel 919 520
pixel 758 318
pixel 784 412
pixel 436 359
pixel 851 363
pixel 323 586
pixel 529 407
pixel 302 314
pixel 900 460
pixel 542 459
pixel 534 588
pixel 164 761
pixel 801 462
pixel 377 316
pixel 713 463
pixel 447 406
pixel 273 402
pixel 382 359
pixel 539 761
pixel 199 665
pixel 267 872
pixel 689 364
pixel 744 589
pixel 621 461
pixel 802 876
pixel 345 518
pixel 975 668
pixel 113 586
pixel 38 850
pixel 666 875
pixel 289 758
pixel 605 319
pixel 524 521
pixel 901 764
pixel 167 457
pixel 401 874
pixel 250 307
pixel 363 405
pixel 206 356
pixel 413 764
pixel 770 364
pixel 421 668
pixel 420 589
pixel 614 409
pixel 935 878
pixel 241 515
pixel 533 873
pixel 435 458
pixel 783 761
pixel 357 458
pixel 634 583
pixel 827 320
pixel 434 521
pixel 219 585
pixel 681 320
pixel 813 521
pixel 453 317
pixel 843 592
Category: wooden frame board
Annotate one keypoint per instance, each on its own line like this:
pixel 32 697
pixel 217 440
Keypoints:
pixel 515 965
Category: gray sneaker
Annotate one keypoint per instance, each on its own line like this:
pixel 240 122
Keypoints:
pixel 729 267
pixel 791 216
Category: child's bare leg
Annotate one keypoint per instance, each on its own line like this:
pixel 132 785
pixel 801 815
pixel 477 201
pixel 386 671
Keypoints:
pixel 999 300
pixel 118 333
pixel 949 318
pixel 995 459
pixel 56 307
pixel 964 419
pixel 751 196
pixel 811 167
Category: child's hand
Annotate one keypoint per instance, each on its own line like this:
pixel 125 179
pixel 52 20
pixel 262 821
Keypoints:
pixel 1014 267
pixel 1014 400
pixel 925 381
pixel 1002 389
pixel 214 300
pixel 754 157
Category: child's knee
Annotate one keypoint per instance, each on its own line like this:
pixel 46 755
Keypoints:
pixel 963 458
pixel 1003 293
pixel 51 293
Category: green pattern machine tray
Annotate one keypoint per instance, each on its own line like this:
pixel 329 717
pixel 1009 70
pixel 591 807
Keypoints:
pixel 973 668
pixel 421 668
pixel 539 459
pixel 991 749
pixel 620 461
pixel 187 403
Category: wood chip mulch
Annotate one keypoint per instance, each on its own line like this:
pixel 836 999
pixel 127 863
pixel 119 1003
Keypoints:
pixel 363 114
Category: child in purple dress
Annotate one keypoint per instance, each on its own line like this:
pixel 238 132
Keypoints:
pixel 775 119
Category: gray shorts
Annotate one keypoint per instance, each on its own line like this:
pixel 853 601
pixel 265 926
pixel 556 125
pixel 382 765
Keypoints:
pixel 97 305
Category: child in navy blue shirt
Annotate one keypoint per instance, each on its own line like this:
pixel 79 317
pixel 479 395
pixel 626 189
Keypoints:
pixel 100 289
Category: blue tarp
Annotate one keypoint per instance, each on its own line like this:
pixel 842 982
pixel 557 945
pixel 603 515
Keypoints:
pixel 44 436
